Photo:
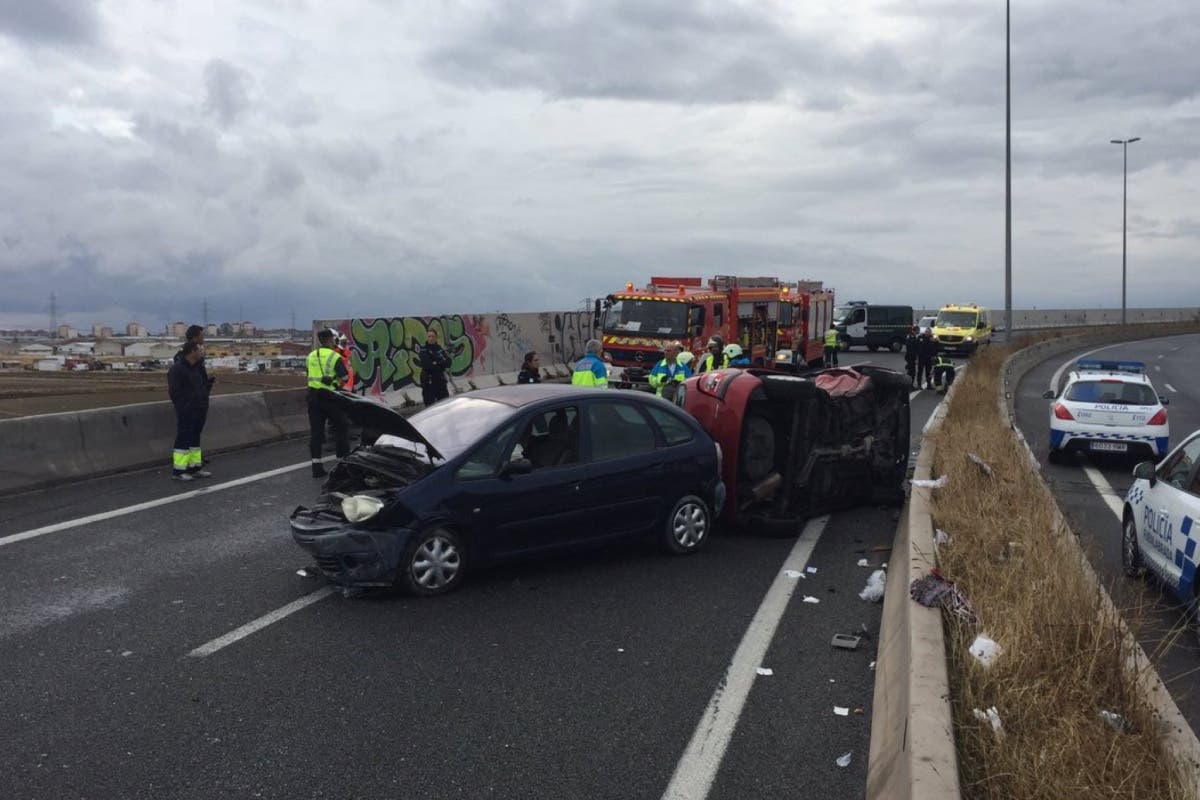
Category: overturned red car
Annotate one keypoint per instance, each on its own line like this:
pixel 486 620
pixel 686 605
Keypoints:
pixel 795 447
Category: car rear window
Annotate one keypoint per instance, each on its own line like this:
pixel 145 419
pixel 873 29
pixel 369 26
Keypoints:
pixel 674 430
pixel 1116 392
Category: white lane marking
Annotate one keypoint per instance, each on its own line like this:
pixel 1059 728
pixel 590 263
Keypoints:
pixel 698 767
pixel 1160 355
pixel 161 501
pixel 1108 494
pixel 1157 368
pixel 1171 388
pixel 256 625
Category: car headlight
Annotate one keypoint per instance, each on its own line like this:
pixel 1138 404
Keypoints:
pixel 969 339
pixel 360 507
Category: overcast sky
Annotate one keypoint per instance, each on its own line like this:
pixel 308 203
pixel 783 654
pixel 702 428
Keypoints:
pixel 382 158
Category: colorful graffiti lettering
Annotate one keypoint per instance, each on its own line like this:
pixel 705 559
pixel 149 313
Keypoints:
pixel 385 351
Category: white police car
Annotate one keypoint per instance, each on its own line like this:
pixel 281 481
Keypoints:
pixel 1108 407
pixel 1161 519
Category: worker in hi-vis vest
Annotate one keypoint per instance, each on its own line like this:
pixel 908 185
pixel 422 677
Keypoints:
pixel 591 370
pixel 326 373
pixel 668 373
pixel 831 347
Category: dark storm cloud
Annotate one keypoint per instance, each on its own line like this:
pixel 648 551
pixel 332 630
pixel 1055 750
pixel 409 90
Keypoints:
pixel 226 90
pixel 656 50
pixel 51 21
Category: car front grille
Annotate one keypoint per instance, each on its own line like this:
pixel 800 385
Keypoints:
pixel 629 358
pixel 950 339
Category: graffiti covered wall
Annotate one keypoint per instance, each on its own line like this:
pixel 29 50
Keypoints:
pixel 384 349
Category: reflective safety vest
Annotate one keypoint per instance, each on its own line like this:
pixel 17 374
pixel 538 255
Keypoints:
pixel 942 361
pixel 322 363
pixel 706 363
pixel 831 337
pixel 590 371
pixel 662 373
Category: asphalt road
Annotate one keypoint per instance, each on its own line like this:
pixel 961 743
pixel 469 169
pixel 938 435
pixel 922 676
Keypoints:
pixel 1161 625
pixel 581 676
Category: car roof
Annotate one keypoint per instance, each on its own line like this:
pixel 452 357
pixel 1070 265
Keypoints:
pixel 527 394
pixel 1108 375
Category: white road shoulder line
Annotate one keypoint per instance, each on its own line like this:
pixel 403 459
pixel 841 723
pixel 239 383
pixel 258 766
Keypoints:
pixel 1171 388
pixel 256 625
pixel 1114 501
pixel 698 767
pixel 161 501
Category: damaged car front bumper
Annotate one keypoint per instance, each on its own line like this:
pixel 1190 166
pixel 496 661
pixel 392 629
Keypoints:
pixel 346 554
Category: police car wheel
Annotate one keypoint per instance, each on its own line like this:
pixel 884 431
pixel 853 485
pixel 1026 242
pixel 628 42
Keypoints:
pixel 1131 559
pixel 687 526
pixel 433 563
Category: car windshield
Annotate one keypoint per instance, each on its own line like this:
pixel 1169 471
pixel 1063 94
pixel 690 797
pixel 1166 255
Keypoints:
pixel 659 317
pixel 454 425
pixel 1113 392
pixel 840 313
pixel 957 319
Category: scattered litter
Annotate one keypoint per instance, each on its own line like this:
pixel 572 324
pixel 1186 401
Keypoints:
pixel 983 465
pixel 934 590
pixel 884 565
pixel 941 538
pixel 620 649
pixel 859 711
pixel 841 712
pixel 793 574
pixel 765 671
pixel 302 572
pixel 845 641
pixel 862 630
pixel 992 717
pixel 871 666
pixel 831 680
pixel 1115 721
pixel 126 654
pixel 985 650
pixel 809 599
pixel 940 483
pixel 176 602
pixel 873 591
pixel 811 570
pixel 844 760
pixel 862 562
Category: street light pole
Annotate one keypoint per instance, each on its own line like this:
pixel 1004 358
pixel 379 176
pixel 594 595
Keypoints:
pixel 1008 336
pixel 1124 194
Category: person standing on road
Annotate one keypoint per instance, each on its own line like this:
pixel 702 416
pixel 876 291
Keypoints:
pixel 591 370
pixel 343 348
pixel 195 333
pixel 188 389
pixel 831 347
pixel 434 361
pixel 668 373
pixel 926 353
pixel 910 355
pixel 735 356
pixel 530 369
pixel 326 371
pixel 715 357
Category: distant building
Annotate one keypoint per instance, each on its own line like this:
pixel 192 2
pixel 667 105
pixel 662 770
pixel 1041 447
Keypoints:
pixel 294 348
pixel 53 364
pixel 178 329
pixel 109 347
pixel 67 332
pixel 134 329
pixel 244 328
pixel 211 330
pixel 77 349
pixel 37 350
pixel 101 332
pixel 154 350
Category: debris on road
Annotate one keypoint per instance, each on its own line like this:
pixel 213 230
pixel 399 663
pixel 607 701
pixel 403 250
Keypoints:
pixel 935 590
pixel 811 570
pixel 985 650
pixel 1116 721
pixel 859 711
pixel 810 599
pixel 984 467
pixel 871 666
pixel 844 641
pixel 841 712
pixel 922 483
pixel 941 538
pixel 873 591
pixel 992 717
pixel 844 760
pixel 862 562
pixel 793 574
pixel 765 671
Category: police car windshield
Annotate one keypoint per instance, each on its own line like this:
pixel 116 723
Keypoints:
pixel 655 317
pixel 840 313
pixel 1113 392
pixel 957 319
pixel 454 425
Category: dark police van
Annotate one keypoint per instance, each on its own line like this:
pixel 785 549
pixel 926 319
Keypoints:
pixel 861 323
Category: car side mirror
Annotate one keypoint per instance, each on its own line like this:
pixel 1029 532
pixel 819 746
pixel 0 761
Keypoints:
pixel 1165 401
pixel 518 466
pixel 981 326
pixel 1048 395
pixel 1145 471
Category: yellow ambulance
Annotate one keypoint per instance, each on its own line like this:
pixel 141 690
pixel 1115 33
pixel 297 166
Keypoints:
pixel 962 328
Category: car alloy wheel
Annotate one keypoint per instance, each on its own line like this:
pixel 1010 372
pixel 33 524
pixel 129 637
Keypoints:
pixel 434 563
pixel 1131 559
pixel 687 525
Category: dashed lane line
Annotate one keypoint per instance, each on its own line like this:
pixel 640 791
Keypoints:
pixel 701 760
pixel 161 501
pixel 1171 388
pixel 256 625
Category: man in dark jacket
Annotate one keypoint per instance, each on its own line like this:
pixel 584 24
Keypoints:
pixel 926 354
pixel 187 386
pixel 434 362
pixel 195 333
pixel 910 355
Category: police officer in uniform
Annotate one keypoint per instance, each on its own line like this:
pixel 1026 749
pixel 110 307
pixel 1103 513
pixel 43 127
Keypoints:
pixel 326 372
pixel 927 350
pixel 434 362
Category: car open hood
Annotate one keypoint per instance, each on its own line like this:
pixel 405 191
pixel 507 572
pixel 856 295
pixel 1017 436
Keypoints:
pixel 381 419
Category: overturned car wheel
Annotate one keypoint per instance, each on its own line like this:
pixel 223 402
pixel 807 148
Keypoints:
pixel 687 526
pixel 433 563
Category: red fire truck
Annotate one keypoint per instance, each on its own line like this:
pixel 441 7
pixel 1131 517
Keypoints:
pixel 775 322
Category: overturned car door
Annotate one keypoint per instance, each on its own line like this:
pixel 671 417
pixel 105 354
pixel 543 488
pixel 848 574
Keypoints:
pixel 795 447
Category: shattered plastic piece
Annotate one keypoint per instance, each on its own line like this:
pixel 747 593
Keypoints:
pixel 871 666
pixel 985 650
pixel 941 538
pixel 1115 721
pixel 841 712
pixel 862 562
pixel 303 573
pixel 845 641
pixel 983 465
pixel 859 711
pixel 620 649
pixel 940 483
pixel 873 591
pixel 792 573
pixel 844 760
pixel 934 590
pixel 126 654
pixel 810 599
pixel 992 717
pixel 811 570
pixel 765 671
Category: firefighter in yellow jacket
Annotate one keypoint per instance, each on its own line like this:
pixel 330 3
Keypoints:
pixel 326 374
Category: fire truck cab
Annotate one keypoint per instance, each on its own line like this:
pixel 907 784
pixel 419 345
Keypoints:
pixel 766 316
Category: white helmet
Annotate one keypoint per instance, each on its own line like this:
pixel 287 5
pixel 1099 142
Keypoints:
pixel 733 350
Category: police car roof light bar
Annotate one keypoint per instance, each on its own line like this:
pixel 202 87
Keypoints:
pixel 1100 365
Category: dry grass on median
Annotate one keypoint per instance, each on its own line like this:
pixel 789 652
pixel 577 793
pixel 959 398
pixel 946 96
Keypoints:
pixel 1062 662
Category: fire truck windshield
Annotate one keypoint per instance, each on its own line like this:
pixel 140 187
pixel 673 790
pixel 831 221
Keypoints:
pixel 647 317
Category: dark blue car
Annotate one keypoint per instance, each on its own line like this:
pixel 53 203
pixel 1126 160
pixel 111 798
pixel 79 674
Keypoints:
pixel 502 473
